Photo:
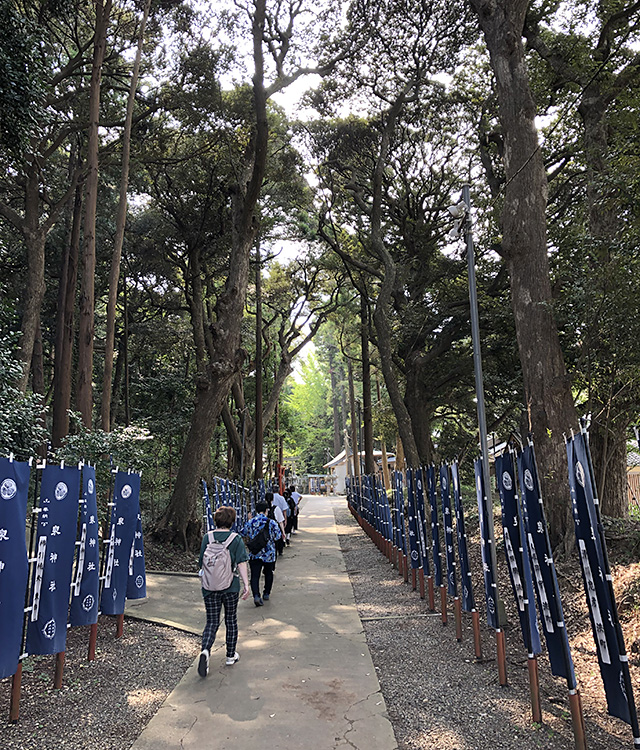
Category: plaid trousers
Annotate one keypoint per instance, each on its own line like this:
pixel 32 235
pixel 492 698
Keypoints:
pixel 213 604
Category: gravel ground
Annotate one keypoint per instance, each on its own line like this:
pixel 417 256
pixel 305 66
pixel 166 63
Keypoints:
pixel 104 704
pixel 438 695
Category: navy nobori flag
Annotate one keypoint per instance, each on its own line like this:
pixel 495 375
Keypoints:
pixel 137 580
pixel 124 518
pixel 485 542
pixel 413 527
pixel 595 574
pixel 468 603
pixel 517 553
pixel 387 524
pixel 86 583
pixel 421 520
pixel 56 544
pixel 435 535
pixel 543 568
pixel 447 519
pixel 207 508
pixel 14 566
pixel 399 496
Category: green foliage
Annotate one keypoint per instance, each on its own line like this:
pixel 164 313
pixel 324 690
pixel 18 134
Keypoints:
pixel 21 415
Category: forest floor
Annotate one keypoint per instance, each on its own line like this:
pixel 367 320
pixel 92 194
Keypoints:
pixel 106 703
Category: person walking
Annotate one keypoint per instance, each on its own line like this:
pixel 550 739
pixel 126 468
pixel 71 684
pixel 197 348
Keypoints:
pixel 296 496
pixel 265 558
pixel 224 518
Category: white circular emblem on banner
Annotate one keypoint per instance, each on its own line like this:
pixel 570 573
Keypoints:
pixel 580 474
pixel 49 630
pixel 506 480
pixel 8 489
pixel 61 491
pixel 528 480
pixel 139 582
pixel 491 605
pixel 126 491
pixel 90 486
pixel 414 555
pixel 88 602
pixel 115 594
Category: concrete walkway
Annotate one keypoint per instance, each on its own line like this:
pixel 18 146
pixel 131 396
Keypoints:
pixel 305 678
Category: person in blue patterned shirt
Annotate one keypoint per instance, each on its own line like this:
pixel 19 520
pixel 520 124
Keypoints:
pixel 264 559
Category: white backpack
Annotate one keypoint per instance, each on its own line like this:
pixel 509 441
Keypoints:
pixel 217 570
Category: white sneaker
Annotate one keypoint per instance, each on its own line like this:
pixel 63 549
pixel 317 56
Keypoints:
pixel 203 664
pixel 231 660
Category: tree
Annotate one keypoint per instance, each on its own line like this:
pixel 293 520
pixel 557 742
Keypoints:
pixel 547 388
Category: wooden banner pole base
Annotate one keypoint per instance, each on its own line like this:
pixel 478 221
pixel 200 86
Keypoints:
pixel 432 594
pixel 443 604
pixel 93 637
pixel 16 686
pixel 414 579
pixel 405 568
pixel 501 649
pixel 458 615
pixel 421 582
pixel 57 680
pixel 534 687
pixel 577 719
pixel 120 626
pixel 477 641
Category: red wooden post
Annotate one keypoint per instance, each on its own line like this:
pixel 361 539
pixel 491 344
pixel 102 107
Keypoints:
pixel 477 642
pixel 57 680
pixel 458 615
pixel 501 649
pixel 16 684
pixel 443 604
pixel 534 687
pixel 432 594
pixel 120 626
pixel 577 719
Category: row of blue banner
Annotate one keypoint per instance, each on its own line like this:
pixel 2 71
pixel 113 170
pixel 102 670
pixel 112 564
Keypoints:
pixel 65 586
pixel 527 548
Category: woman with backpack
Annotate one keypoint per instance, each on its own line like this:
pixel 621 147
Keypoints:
pixel 223 559
pixel 261 533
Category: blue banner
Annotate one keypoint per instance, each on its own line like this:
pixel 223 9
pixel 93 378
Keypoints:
pixel 435 534
pixel 55 551
pixel 468 603
pixel 597 579
pixel 86 583
pixel 399 502
pixel 421 520
pixel 517 553
pixel 413 536
pixel 124 521
pixel 447 520
pixel 208 513
pixel 137 580
pixel 14 565
pixel 490 586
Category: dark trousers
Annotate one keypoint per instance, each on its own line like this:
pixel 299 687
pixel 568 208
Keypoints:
pixel 256 565
pixel 295 520
pixel 213 604
pixel 289 525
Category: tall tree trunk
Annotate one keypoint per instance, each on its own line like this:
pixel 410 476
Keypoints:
pixel 181 519
pixel 419 406
pixel 335 404
pixel 34 236
pixel 547 386
pixel 121 218
pixel 367 412
pixel 608 443
pixel 64 327
pixel 259 425
pixel 354 424
pixel 84 397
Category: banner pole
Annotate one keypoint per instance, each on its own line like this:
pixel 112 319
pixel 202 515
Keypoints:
pixel 16 680
pixel 443 603
pixel 432 594
pixel 534 687
pixel 477 641
pixel 624 659
pixel 502 657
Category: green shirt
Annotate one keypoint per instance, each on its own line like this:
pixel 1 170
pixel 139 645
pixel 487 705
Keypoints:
pixel 238 553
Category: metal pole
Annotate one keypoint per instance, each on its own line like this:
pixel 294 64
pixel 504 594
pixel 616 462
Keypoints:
pixel 477 369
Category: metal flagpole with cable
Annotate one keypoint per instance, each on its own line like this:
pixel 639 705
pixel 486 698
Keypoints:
pixel 462 213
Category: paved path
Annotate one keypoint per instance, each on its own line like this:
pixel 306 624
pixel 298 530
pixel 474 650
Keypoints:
pixel 305 678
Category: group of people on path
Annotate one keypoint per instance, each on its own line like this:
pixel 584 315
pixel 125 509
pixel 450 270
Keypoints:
pixel 263 538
